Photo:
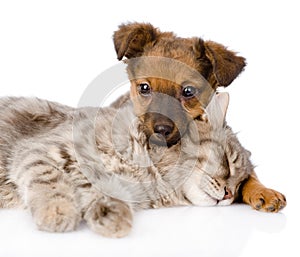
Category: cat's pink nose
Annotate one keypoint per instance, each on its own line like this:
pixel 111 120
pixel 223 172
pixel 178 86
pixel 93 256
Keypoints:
pixel 227 194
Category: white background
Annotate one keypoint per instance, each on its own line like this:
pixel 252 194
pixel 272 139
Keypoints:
pixel 54 49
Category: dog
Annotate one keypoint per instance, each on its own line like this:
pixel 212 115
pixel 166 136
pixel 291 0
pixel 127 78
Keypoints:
pixel 162 66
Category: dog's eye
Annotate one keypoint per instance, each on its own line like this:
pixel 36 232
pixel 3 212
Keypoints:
pixel 189 91
pixel 144 89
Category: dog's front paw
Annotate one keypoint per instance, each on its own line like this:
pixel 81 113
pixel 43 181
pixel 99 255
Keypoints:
pixel 267 200
pixel 110 218
pixel 58 215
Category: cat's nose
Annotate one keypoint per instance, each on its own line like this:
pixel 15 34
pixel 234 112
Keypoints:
pixel 227 194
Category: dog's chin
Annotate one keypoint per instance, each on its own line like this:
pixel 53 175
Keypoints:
pixel 159 140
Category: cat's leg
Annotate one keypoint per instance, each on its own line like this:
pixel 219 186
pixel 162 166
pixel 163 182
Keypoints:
pixel 9 197
pixel 51 199
pixel 109 217
pixel 261 198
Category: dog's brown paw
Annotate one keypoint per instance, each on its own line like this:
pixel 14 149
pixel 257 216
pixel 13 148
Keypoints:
pixel 267 200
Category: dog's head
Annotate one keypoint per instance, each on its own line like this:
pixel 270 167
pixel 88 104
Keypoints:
pixel 172 78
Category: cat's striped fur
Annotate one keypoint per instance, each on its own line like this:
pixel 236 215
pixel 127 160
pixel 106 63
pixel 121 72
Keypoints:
pixel 68 164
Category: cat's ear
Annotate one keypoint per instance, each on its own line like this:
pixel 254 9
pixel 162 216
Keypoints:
pixel 223 101
pixel 217 109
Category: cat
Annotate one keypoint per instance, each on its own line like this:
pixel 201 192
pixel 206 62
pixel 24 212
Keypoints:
pixel 95 164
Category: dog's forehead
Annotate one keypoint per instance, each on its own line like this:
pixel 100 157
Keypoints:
pixel 181 49
pixel 172 46
pixel 169 69
pixel 164 86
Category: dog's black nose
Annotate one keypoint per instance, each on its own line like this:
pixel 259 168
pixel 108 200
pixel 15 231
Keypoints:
pixel 164 130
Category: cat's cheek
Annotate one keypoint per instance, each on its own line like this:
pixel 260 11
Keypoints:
pixel 207 202
pixel 198 197
pixel 226 202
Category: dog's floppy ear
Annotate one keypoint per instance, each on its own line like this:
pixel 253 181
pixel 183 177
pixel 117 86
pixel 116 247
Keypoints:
pixel 130 39
pixel 226 65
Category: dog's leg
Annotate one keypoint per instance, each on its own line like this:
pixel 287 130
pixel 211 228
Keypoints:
pixel 261 198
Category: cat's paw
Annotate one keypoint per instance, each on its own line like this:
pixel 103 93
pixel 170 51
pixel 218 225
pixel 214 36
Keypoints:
pixel 267 200
pixel 57 215
pixel 110 218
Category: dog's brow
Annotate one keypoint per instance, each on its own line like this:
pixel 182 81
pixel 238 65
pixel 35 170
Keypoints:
pixel 188 82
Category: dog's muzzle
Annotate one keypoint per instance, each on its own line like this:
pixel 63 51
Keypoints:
pixel 164 131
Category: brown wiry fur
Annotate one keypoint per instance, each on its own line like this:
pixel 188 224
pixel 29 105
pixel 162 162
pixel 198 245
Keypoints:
pixel 218 66
pixel 216 63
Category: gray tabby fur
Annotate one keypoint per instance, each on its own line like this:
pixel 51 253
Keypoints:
pixel 68 164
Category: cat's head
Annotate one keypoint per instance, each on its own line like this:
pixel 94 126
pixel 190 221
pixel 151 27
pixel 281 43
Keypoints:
pixel 212 166
pixel 220 177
